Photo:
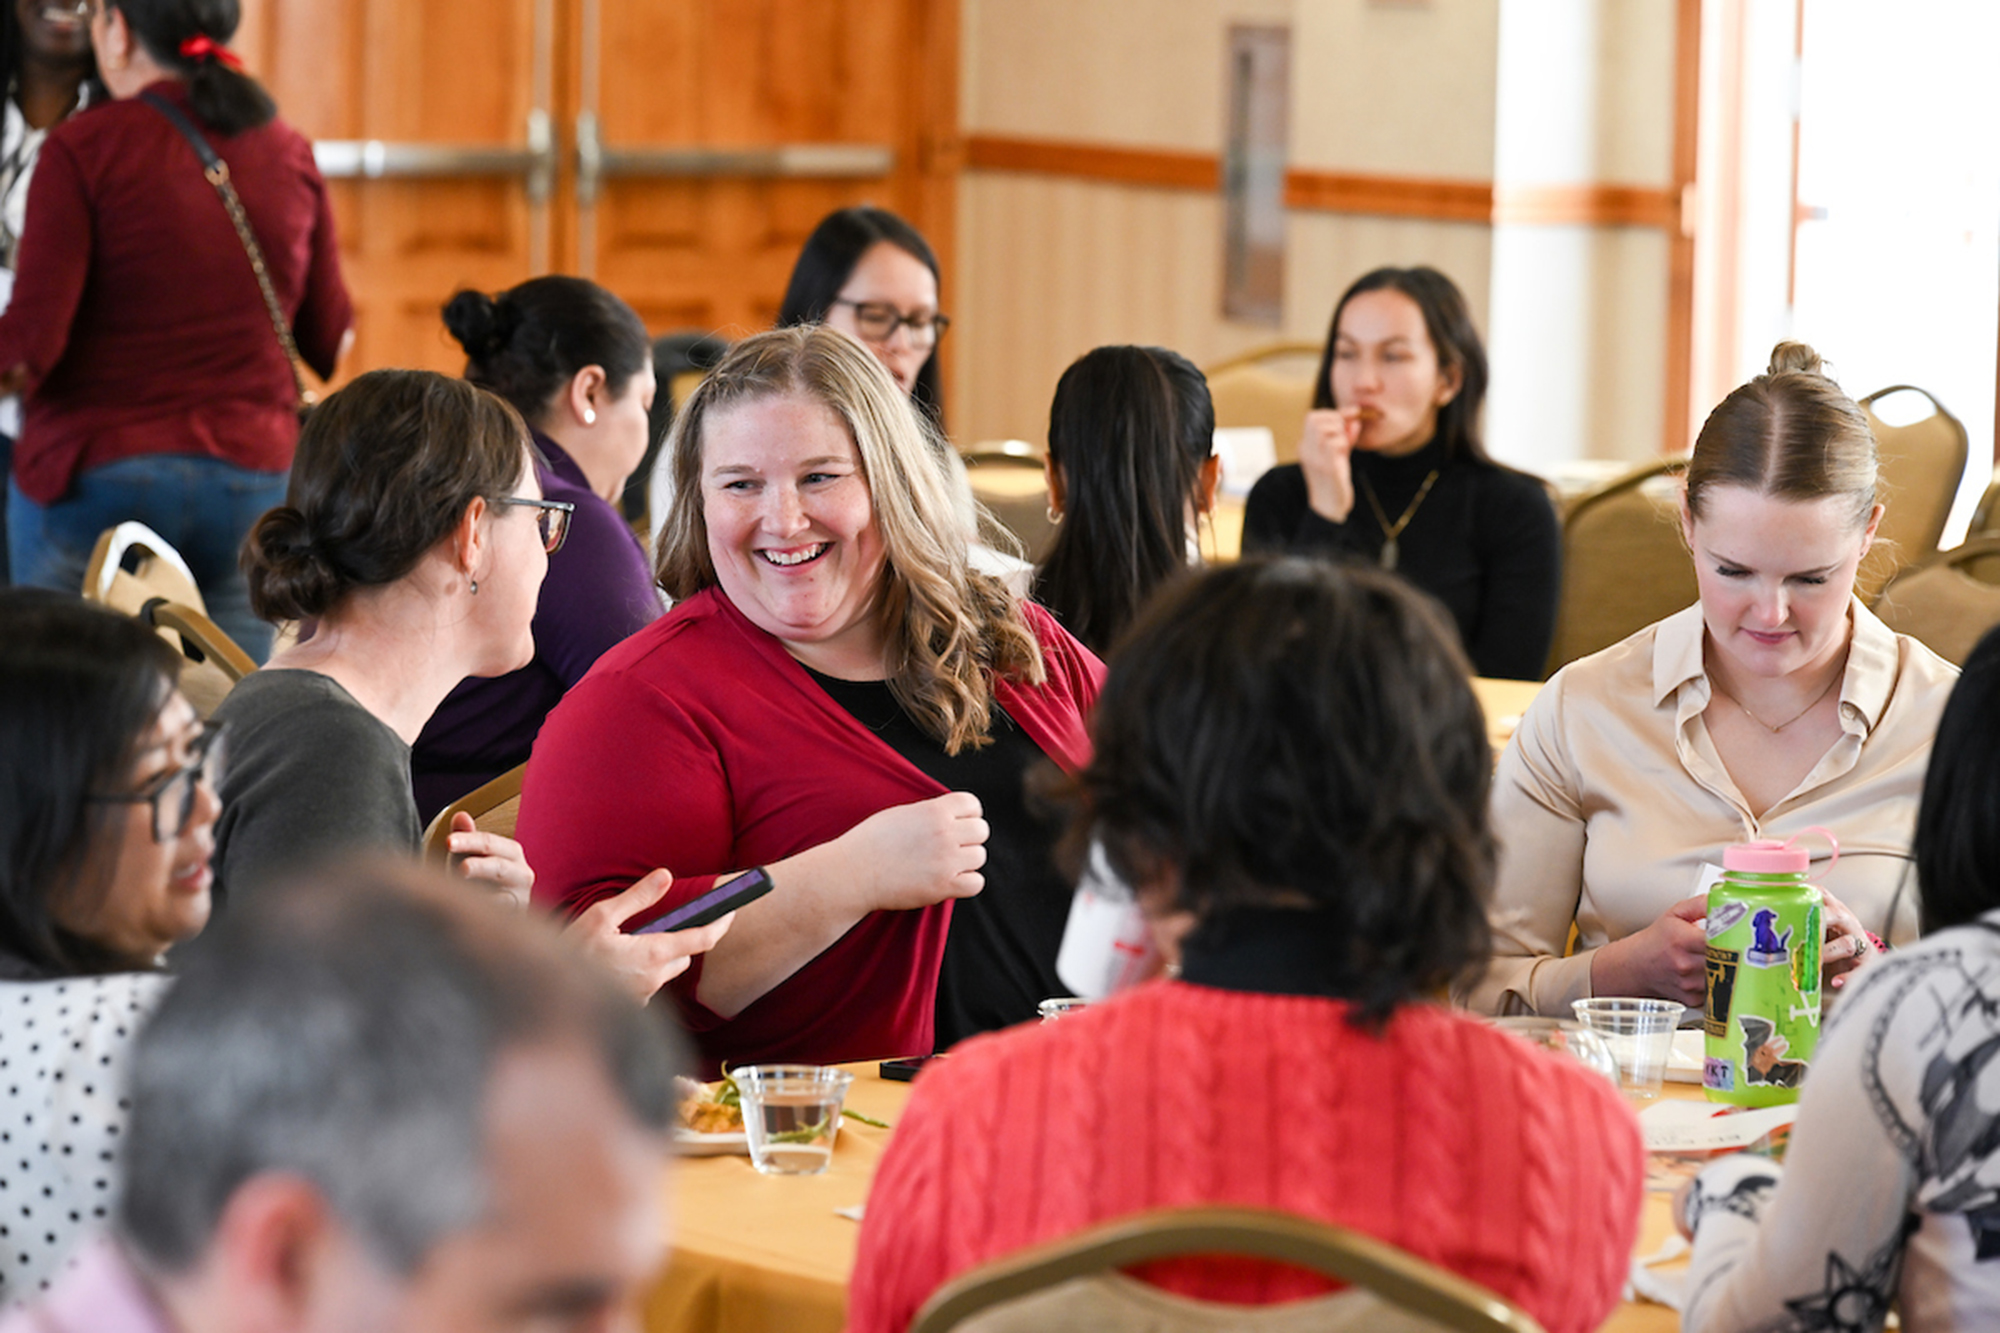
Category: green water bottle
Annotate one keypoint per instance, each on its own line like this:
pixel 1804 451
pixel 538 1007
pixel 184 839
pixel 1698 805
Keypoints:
pixel 1765 924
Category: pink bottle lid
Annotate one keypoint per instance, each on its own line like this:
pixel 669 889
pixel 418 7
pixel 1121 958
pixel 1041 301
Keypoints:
pixel 1777 858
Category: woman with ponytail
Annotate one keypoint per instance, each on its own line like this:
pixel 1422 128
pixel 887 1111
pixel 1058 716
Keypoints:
pixel 576 363
pixel 1775 704
pixel 158 386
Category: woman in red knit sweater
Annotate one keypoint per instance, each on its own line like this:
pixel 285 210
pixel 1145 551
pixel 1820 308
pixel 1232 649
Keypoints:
pixel 1292 769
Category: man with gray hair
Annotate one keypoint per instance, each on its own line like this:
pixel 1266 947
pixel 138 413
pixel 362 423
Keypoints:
pixel 376 1103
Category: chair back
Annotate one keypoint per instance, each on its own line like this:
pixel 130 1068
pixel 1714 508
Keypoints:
pixel 1922 465
pixel 1986 514
pixel 214 661
pixel 1624 565
pixel 1270 387
pixel 1070 1283
pixel 494 806
pixel 1947 605
pixel 1008 479
pixel 157 571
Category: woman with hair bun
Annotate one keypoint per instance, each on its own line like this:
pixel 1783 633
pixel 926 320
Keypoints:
pixel 157 386
pixel 576 363
pixel 1131 467
pixel 412 544
pixel 1776 703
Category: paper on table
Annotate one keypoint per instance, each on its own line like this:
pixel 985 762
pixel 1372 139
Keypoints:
pixel 1697 1127
pixel 853 1214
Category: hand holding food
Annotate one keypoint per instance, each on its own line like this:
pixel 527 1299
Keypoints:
pixel 1667 959
pixel 1324 448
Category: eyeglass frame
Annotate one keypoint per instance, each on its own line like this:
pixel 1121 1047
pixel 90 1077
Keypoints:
pixel 207 761
pixel 560 513
pixel 925 331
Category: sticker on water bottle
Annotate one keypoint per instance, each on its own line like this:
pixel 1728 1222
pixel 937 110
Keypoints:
pixel 1718 1074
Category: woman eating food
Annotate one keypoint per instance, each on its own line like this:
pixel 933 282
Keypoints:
pixel 1391 472
pixel 838 698
pixel 106 827
pixel 1291 771
pixel 1775 703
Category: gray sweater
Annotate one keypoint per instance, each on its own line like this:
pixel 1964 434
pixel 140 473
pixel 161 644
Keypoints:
pixel 311 775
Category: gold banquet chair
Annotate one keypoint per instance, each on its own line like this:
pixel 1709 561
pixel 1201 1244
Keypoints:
pixel 214 661
pixel 1624 565
pixel 1922 464
pixel 1944 604
pixel 1009 481
pixel 1071 1284
pixel 1270 387
pixel 494 806
pixel 157 571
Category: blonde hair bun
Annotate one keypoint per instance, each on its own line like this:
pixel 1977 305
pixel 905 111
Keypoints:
pixel 1793 358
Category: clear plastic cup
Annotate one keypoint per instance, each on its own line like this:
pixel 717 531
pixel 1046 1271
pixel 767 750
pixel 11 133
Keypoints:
pixel 791 1114
pixel 1061 1007
pixel 1640 1034
pixel 1573 1039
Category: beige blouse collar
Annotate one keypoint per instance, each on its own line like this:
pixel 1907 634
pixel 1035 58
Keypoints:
pixel 1864 690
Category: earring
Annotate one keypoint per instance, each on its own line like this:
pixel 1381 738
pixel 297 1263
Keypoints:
pixel 1055 514
pixel 475 587
pixel 590 416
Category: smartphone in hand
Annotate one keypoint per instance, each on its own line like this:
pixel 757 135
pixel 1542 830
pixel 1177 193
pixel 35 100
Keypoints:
pixel 719 901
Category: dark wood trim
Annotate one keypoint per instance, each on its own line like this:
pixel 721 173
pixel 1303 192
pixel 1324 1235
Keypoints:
pixel 1158 167
pixel 1390 196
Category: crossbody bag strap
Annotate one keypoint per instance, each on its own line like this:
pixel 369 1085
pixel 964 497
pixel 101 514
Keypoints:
pixel 217 172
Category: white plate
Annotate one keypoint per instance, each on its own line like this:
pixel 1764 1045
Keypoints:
pixel 693 1143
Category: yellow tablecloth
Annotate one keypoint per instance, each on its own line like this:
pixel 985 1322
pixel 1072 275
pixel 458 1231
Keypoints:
pixel 769 1254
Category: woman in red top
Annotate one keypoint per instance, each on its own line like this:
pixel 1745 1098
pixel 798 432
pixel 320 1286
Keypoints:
pixel 837 697
pixel 156 387
pixel 1292 769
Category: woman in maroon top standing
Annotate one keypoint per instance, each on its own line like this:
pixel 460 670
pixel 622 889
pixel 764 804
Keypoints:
pixel 157 387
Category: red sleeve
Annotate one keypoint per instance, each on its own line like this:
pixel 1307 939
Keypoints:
pixel 52 266
pixel 325 312
pixel 622 781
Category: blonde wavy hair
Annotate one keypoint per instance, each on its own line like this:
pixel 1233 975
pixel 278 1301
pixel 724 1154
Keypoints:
pixel 947 628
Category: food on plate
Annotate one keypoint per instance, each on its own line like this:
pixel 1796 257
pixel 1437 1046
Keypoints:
pixel 710 1108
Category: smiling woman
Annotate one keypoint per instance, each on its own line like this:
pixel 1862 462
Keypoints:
pixel 839 697
pixel 1776 703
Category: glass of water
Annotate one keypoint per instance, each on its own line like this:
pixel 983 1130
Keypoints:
pixel 791 1114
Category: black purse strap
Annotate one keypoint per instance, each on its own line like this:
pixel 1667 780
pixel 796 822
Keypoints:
pixel 217 173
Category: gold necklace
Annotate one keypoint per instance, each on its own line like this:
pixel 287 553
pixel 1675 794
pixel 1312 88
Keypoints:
pixel 1390 532
pixel 1838 676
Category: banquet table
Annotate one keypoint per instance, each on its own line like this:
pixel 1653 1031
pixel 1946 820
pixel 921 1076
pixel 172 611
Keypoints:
pixel 770 1254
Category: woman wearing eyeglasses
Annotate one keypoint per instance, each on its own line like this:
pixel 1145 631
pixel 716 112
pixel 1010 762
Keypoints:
pixel 412 545
pixel 872 275
pixel 106 826
pixel 576 363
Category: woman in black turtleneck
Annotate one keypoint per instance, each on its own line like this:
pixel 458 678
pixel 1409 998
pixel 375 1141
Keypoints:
pixel 1391 471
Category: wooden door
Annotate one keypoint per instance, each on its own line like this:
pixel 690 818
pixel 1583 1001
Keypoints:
pixel 677 152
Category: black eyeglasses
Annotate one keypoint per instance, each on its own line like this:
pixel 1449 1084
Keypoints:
pixel 172 794
pixel 878 322
pixel 552 518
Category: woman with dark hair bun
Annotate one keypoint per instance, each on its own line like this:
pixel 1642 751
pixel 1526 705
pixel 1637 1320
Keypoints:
pixel 1391 471
pixel 576 363
pixel 1291 770
pixel 1131 468
pixel 1889 1193
pixel 1776 704
pixel 159 384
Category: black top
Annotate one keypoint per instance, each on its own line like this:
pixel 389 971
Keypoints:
pixel 1485 542
pixel 1000 957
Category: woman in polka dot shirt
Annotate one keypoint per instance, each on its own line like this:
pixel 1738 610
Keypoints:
pixel 107 818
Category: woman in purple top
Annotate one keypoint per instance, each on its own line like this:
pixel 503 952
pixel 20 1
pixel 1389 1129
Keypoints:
pixel 576 362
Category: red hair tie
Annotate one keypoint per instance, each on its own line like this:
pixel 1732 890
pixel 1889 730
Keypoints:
pixel 202 47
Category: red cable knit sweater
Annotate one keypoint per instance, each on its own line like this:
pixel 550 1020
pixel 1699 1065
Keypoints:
pixel 1456 1142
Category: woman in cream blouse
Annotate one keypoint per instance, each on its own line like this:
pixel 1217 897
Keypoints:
pixel 1776 703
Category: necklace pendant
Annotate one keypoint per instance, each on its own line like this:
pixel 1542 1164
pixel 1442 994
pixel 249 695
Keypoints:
pixel 1389 554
